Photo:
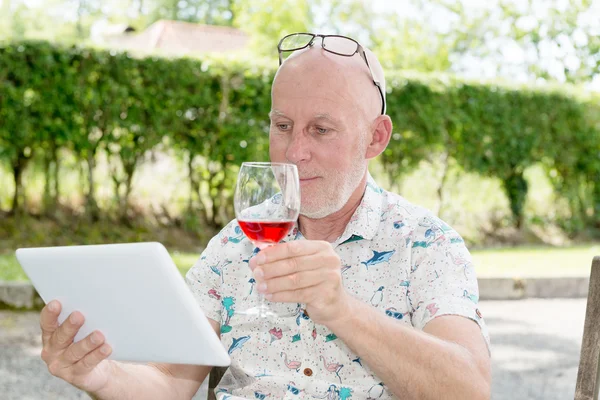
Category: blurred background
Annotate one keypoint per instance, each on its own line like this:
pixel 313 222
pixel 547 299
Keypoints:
pixel 127 120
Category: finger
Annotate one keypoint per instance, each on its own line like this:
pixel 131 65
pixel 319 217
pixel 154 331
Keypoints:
pixel 64 335
pixel 299 280
pixel 304 295
pixel 290 266
pixel 77 351
pixel 291 249
pixel 92 359
pixel 252 263
pixel 49 320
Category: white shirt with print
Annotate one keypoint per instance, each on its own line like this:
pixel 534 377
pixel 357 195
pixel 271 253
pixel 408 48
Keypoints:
pixel 395 256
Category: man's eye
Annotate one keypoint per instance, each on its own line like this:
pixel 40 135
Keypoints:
pixel 283 127
pixel 322 131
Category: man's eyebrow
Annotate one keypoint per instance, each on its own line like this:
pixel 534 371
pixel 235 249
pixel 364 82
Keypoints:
pixel 276 113
pixel 327 117
pixel 322 116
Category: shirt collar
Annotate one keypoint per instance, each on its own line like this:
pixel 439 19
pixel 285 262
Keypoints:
pixel 366 218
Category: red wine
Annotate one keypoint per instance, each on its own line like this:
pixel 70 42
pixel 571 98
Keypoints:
pixel 266 231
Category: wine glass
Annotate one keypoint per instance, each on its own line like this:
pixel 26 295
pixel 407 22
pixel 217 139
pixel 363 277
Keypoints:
pixel 267 204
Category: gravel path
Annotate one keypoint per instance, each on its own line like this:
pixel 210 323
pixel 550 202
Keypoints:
pixel 535 351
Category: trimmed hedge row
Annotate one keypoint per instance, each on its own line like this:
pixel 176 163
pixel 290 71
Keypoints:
pixel 214 115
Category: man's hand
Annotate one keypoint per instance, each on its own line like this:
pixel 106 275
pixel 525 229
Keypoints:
pixel 303 271
pixel 82 364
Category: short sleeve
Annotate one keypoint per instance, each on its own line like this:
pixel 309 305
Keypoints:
pixel 443 280
pixel 205 280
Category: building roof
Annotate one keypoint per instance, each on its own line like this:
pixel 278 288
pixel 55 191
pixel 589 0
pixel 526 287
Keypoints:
pixel 180 38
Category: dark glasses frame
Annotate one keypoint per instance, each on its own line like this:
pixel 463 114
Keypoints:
pixel 359 49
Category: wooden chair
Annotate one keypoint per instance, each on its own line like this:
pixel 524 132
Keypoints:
pixel 588 375
pixel 213 380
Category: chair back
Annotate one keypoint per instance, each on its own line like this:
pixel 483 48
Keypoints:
pixel 588 374
pixel 216 373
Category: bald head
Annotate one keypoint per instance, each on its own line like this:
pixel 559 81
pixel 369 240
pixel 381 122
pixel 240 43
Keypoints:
pixel 325 119
pixel 347 78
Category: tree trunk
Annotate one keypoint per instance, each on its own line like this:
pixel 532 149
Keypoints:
pixel 17 180
pixel 202 206
pixel 442 183
pixel 596 202
pixel 129 171
pixel 193 186
pixel 215 200
pixel 56 198
pixel 17 170
pixel 47 182
pixel 91 204
pixel 117 186
pixel 515 186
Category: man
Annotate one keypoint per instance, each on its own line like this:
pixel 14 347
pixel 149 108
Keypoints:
pixel 385 292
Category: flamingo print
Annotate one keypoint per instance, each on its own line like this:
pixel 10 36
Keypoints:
pixel 460 261
pixel 332 367
pixel 214 294
pixel 432 308
pixel 291 364
pixel 218 269
pixel 252 282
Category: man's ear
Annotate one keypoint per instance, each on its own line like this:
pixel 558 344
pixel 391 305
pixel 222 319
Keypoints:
pixel 381 132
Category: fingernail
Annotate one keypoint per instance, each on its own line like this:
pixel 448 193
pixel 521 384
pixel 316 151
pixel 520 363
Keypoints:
pixel 262 287
pixel 258 273
pixel 73 318
pixel 95 338
pixel 269 296
pixel 52 306
pixel 105 349
pixel 261 258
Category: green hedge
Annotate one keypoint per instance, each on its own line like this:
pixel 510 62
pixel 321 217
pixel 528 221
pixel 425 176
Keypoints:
pixel 498 131
pixel 214 115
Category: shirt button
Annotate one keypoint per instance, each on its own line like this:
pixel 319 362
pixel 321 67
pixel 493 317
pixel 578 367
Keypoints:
pixel 308 372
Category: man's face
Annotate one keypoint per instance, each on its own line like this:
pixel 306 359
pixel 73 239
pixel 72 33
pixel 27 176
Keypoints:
pixel 315 124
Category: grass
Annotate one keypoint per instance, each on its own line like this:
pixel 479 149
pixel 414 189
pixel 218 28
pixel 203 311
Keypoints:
pixel 512 262
pixel 536 261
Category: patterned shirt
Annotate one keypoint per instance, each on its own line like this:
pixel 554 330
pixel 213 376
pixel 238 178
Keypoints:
pixel 395 256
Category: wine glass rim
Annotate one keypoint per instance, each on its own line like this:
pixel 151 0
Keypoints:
pixel 265 164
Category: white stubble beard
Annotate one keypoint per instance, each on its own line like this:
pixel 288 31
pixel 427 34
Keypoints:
pixel 341 186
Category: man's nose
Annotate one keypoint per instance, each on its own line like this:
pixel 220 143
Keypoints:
pixel 298 149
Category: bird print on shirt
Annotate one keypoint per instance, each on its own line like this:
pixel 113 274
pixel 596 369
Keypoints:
pixel 218 269
pixel 377 297
pixel 332 367
pixel 289 363
pixel 376 391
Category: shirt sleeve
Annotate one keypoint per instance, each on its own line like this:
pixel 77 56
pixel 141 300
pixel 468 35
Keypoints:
pixel 205 282
pixel 443 280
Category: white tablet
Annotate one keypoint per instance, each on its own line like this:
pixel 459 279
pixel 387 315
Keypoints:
pixel 132 293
